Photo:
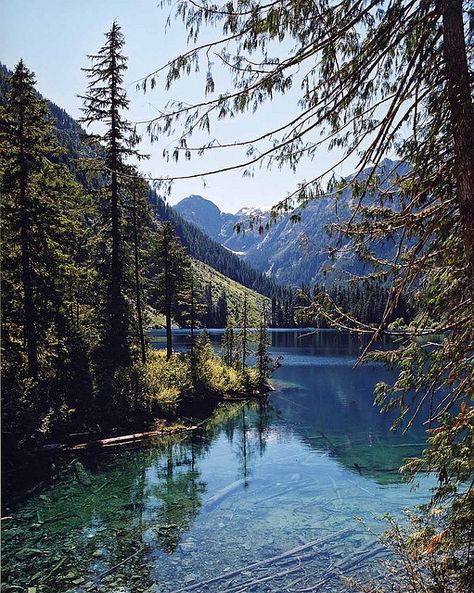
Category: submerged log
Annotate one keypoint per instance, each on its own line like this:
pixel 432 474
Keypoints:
pixel 342 567
pixel 282 556
pixel 217 498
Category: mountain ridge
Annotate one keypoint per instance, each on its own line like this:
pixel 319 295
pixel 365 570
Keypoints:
pixel 292 254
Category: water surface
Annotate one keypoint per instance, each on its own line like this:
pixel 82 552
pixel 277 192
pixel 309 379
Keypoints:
pixel 219 510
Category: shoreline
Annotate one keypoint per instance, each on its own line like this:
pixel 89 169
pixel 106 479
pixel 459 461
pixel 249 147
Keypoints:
pixel 19 488
pixel 177 426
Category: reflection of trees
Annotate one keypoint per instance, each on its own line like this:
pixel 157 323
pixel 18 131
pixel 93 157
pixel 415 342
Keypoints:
pixel 254 422
pixel 179 492
pixel 263 425
pixel 139 501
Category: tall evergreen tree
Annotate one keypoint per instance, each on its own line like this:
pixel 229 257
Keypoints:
pixel 137 235
pixel 43 211
pixel 221 311
pixel 27 142
pixel 228 345
pixel 244 341
pixel 105 103
pixel 136 261
pixel 265 363
pixel 194 309
pixel 172 278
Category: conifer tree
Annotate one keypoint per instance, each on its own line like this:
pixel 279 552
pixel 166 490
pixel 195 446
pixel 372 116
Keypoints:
pixel 27 141
pixel 138 231
pixel 105 103
pixel 244 346
pixel 228 345
pixel 221 311
pixel 138 298
pixel 203 352
pixel 44 354
pixel 263 358
pixel 172 278
pixel 265 363
pixel 193 309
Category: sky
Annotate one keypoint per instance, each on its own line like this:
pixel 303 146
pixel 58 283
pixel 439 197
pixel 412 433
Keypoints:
pixel 53 37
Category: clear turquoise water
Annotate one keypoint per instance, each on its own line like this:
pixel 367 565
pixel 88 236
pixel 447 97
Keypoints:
pixel 196 513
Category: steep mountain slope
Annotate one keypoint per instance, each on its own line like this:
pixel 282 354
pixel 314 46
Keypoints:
pixel 291 253
pixel 205 249
pixel 217 286
pixel 234 293
pixel 68 130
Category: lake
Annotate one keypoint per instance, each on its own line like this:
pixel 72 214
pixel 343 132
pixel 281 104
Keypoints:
pixel 283 496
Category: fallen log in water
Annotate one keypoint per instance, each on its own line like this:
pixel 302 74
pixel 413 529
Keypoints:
pixel 127 439
pixel 343 566
pixel 217 498
pixel 257 581
pixel 135 437
pixel 284 555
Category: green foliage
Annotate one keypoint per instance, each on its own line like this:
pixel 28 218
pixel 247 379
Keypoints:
pixel 45 365
pixel 265 363
pixel 166 382
pixel 216 288
pixel 164 387
pixel 212 373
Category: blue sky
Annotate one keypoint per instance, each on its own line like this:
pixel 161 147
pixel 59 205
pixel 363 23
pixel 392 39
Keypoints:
pixel 54 36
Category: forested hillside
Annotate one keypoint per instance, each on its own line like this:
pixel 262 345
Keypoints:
pixel 224 299
pixel 200 246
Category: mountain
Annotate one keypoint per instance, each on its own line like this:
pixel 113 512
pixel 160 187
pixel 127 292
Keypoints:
pixel 211 252
pixel 204 214
pixel 291 253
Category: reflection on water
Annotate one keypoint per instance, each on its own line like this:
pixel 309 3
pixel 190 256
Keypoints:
pixel 263 499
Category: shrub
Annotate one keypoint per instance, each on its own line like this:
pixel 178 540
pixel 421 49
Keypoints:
pixel 166 381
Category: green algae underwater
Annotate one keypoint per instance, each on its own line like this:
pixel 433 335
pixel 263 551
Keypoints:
pixel 283 496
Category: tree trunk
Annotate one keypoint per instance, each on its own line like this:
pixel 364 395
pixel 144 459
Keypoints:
pixel 28 302
pixel 191 351
pixel 137 280
pixel 244 335
pixel 168 303
pixel 169 342
pixel 26 277
pixel 118 317
pixel 462 118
